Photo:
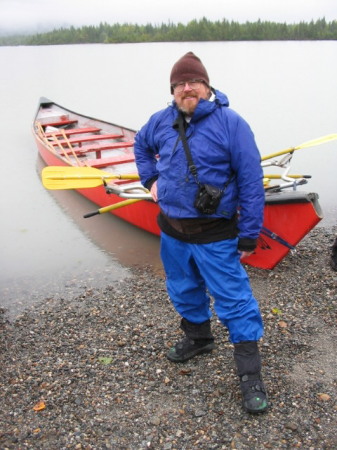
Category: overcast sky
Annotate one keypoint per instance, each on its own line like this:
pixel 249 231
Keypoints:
pixel 31 14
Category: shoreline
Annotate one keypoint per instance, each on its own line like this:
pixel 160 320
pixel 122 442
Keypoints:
pixel 96 365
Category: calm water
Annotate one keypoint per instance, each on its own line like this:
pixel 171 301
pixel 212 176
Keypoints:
pixel 286 91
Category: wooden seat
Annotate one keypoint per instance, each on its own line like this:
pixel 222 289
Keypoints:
pixel 106 146
pixel 104 162
pixel 79 140
pixel 74 131
pixel 98 148
pixel 58 123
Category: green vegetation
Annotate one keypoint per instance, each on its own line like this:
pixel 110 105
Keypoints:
pixel 196 30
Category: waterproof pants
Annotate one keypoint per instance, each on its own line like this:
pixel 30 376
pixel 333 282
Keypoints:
pixel 194 270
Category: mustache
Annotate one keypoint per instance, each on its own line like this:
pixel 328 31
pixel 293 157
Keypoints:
pixel 189 96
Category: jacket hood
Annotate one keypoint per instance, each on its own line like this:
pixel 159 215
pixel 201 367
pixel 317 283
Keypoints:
pixel 221 98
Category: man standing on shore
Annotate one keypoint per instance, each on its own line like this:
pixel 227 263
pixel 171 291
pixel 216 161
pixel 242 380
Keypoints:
pixel 200 162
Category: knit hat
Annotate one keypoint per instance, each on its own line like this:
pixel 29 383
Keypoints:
pixel 188 67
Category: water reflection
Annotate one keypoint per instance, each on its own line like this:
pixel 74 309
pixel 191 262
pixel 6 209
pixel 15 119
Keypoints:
pixel 131 246
pixel 64 260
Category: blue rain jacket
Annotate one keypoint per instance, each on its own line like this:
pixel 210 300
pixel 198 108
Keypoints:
pixel 222 144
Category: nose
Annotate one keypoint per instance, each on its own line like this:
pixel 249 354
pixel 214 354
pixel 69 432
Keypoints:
pixel 187 87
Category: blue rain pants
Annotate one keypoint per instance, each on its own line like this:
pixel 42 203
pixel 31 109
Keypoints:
pixel 193 270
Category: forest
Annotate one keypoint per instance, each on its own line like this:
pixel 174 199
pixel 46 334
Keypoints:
pixel 195 30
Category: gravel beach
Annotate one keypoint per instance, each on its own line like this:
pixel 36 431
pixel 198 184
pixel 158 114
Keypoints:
pixel 91 373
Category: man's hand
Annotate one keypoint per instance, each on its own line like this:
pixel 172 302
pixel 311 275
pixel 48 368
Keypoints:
pixel 153 192
pixel 245 254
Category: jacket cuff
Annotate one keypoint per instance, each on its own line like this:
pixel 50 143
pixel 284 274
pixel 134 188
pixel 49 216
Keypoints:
pixel 148 184
pixel 247 245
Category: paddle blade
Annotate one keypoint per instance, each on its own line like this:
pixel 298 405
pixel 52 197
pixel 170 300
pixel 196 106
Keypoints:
pixel 312 143
pixel 65 177
pixel 70 178
pixel 318 141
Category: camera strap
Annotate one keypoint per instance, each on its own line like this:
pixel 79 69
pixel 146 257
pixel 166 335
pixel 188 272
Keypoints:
pixel 192 167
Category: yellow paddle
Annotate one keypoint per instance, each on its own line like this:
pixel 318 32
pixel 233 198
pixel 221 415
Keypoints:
pixel 112 207
pixel 65 177
pixel 277 176
pixel 318 141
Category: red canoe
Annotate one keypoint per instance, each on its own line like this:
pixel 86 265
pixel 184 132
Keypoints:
pixel 83 151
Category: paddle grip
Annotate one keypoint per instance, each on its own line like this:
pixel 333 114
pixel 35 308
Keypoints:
pixel 91 214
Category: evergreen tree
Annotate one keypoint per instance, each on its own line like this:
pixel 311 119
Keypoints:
pixel 195 30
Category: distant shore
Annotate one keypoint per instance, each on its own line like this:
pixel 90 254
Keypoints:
pixel 203 30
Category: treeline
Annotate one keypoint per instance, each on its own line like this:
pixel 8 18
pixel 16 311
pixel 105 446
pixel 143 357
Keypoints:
pixel 196 30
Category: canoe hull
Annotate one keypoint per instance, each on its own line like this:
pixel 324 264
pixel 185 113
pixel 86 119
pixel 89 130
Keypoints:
pixel 141 214
pixel 288 216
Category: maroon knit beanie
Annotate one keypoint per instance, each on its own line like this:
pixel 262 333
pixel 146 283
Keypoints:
pixel 188 67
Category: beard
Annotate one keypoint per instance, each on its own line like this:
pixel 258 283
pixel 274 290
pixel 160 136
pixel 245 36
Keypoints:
pixel 188 104
pixel 188 101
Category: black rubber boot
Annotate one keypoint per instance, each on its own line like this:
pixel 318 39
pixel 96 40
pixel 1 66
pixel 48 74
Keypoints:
pixel 198 339
pixel 248 362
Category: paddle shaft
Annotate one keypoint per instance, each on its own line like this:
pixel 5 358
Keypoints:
pixel 112 207
pixel 277 176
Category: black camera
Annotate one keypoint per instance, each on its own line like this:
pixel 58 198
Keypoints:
pixel 208 199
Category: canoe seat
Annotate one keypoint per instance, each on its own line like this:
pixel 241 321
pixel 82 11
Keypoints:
pixel 58 123
pixel 79 140
pixel 74 131
pixel 97 148
pixel 104 162
pixel 106 146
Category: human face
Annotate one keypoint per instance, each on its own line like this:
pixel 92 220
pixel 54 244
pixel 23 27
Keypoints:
pixel 187 97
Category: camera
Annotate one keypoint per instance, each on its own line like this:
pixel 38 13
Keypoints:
pixel 208 199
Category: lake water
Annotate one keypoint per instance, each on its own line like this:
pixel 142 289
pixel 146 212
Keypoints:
pixel 285 90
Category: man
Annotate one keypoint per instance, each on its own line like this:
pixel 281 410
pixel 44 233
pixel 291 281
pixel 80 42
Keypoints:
pixel 201 251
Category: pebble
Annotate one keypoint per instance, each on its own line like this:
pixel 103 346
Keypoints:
pixel 291 426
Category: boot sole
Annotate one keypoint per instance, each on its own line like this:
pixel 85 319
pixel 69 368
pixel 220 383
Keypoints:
pixel 254 411
pixel 178 359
